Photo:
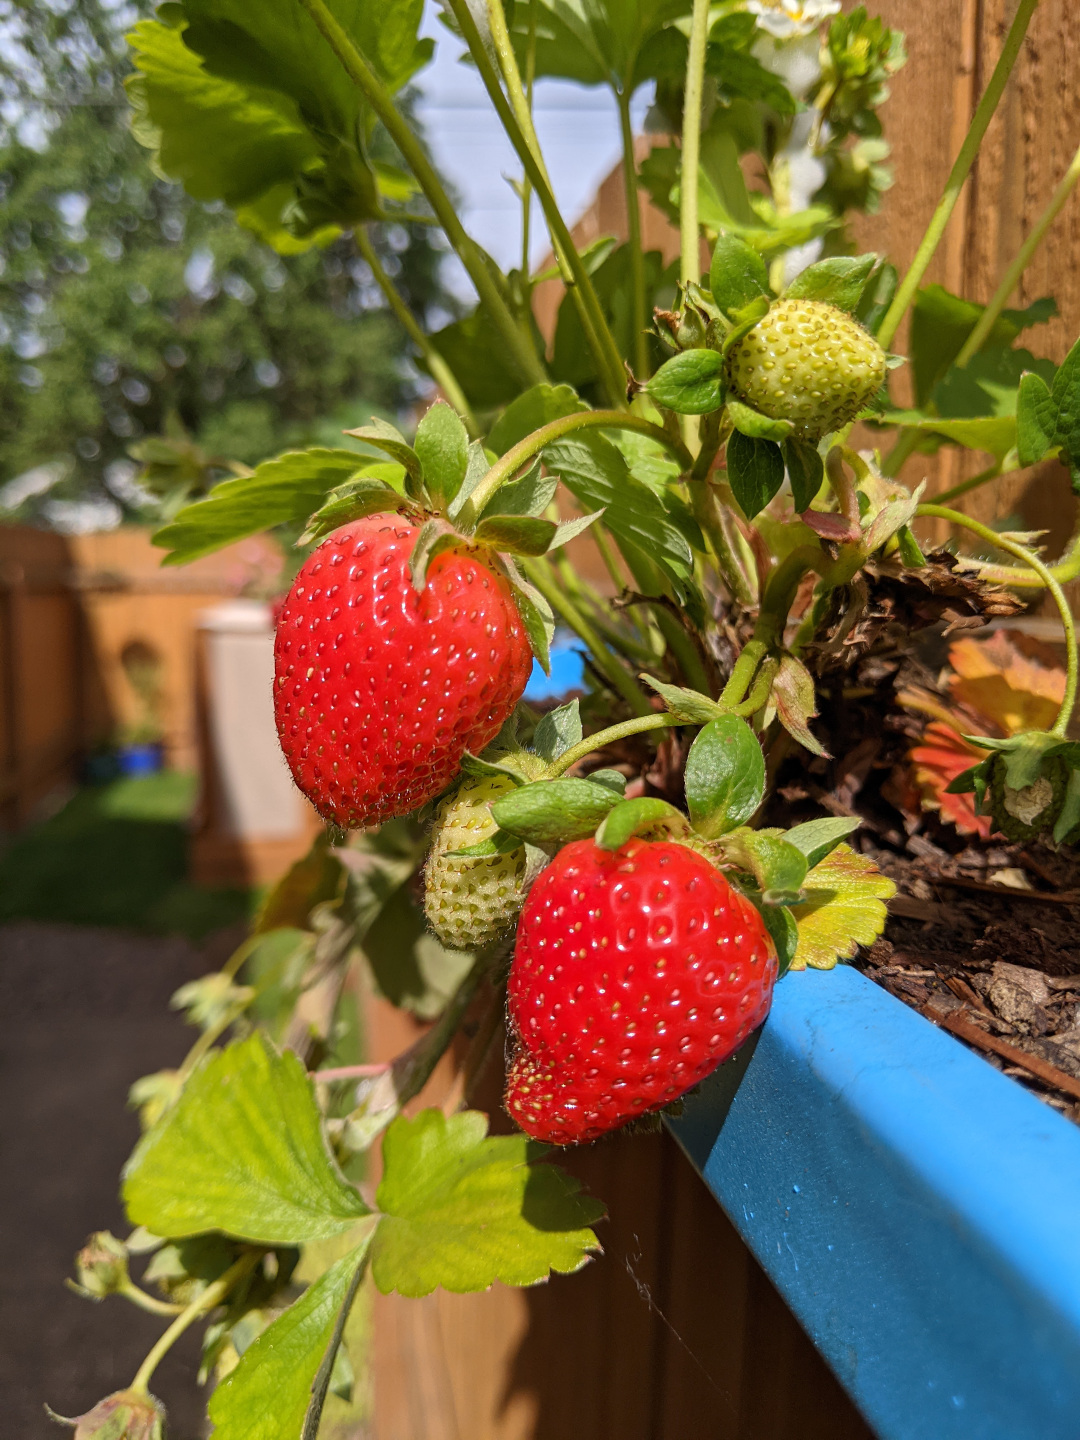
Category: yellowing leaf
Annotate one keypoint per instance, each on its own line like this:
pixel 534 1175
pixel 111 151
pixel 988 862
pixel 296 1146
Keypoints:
pixel 844 908
pixel 993 677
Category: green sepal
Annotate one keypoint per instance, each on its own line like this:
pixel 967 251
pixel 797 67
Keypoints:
pixel 755 471
pixel 501 843
pixel 613 780
pixel 816 838
pixel 737 275
pixel 535 614
pixel 568 530
pixel 778 866
pixel 477 467
pixel 796 703
pixel 530 494
pixel 782 929
pixel 644 816
pixel 442 447
pixel 744 320
pixel 385 437
pixel 1067 825
pixel 805 471
pixel 910 551
pixel 516 534
pixel 725 776
pixel 350 502
pixel 691 383
pixel 477 765
pixel 841 281
pixel 555 811
pixel 756 426
pixel 689 705
pixel 436 536
pixel 558 731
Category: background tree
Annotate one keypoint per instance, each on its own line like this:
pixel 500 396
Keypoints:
pixel 128 309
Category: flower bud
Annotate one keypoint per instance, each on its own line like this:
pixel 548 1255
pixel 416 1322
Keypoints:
pixel 127 1415
pixel 101 1266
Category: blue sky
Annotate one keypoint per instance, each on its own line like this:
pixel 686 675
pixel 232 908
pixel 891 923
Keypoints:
pixel 579 133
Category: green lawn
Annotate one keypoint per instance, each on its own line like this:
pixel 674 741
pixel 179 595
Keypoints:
pixel 116 855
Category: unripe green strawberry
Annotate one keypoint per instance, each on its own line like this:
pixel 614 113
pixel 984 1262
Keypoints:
pixel 809 363
pixel 471 901
pixel 1022 814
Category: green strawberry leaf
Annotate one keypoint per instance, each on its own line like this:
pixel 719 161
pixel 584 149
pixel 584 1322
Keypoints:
pixel 530 412
pixel 737 274
pixel 558 731
pixel 385 437
pixel 461 1209
pixel 691 383
pixel 844 907
pixel 1033 406
pixel 501 843
pixel 805 471
pixel 567 530
pixel 840 281
pixel 817 838
pixel 611 779
pixel 517 534
pixel 644 816
pixel 442 447
pixel 755 472
pixel 535 614
pixel 910 553
pixel 1069 816
pixel 555 810
pixel 278 1389
pixel 793 696
pixel 994 433
pixel 279 491
pixel 529 494
pixel 778 866
pixel 757 426
pixel 352 502
pixel 725 776
pixel 435 538
pixel 685 704
pixel 242 1151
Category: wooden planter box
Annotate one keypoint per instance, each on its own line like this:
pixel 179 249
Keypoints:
pixel 914 1207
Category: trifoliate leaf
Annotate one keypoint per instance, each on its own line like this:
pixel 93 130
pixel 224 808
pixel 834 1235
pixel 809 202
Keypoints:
pixel 278 1389
pixel 844 908
pixel 725 776
pixel 288 488
pixel 242 1151
pixel 461 1209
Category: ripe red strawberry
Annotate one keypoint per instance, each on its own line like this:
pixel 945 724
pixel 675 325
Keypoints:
pixel 379 689
pixel 636 972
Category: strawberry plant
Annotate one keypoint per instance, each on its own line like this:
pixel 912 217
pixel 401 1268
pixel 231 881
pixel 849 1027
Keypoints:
pixel 623 874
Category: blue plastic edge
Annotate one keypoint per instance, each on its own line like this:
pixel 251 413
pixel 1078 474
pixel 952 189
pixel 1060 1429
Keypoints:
pixel 916 1209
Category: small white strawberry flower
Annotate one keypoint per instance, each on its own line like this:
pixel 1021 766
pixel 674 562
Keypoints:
pixel 791 19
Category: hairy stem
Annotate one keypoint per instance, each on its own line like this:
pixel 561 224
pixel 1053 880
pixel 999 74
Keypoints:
pixel 440 372
pixel 609 665
pixel 519 347
pixel 984 112
pixel 759 694
pixel 525 450
pixel 1011 278
pixel 1012 547
pixel 690 243
pixel 211 1296
pixel 639 318
pixel 526 184
pixel 638 726
pixel 515 116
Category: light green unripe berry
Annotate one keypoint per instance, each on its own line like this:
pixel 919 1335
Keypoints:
pixel 472 901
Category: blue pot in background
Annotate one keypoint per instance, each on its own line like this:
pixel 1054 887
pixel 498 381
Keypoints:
pixel 133 760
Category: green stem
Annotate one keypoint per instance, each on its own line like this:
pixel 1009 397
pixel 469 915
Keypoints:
pixel 690 242
pixel 955 491
pixel 639 726
pixel 1011 278
pixel 526 185
pixel 906 443
pixel 525 358
pixel 638 299
pixel 516 119
pixel 759 695
pixel 211 1296
pixel 138 1297
pixel 743 671
pixel 440 372
pixel 525 450
pixel 1066 570
pixel 608 664
pixel 1011 547
pixel 939 220
pixel 682 647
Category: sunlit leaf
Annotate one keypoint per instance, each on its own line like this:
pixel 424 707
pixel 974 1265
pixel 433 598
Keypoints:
pixel 844 908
